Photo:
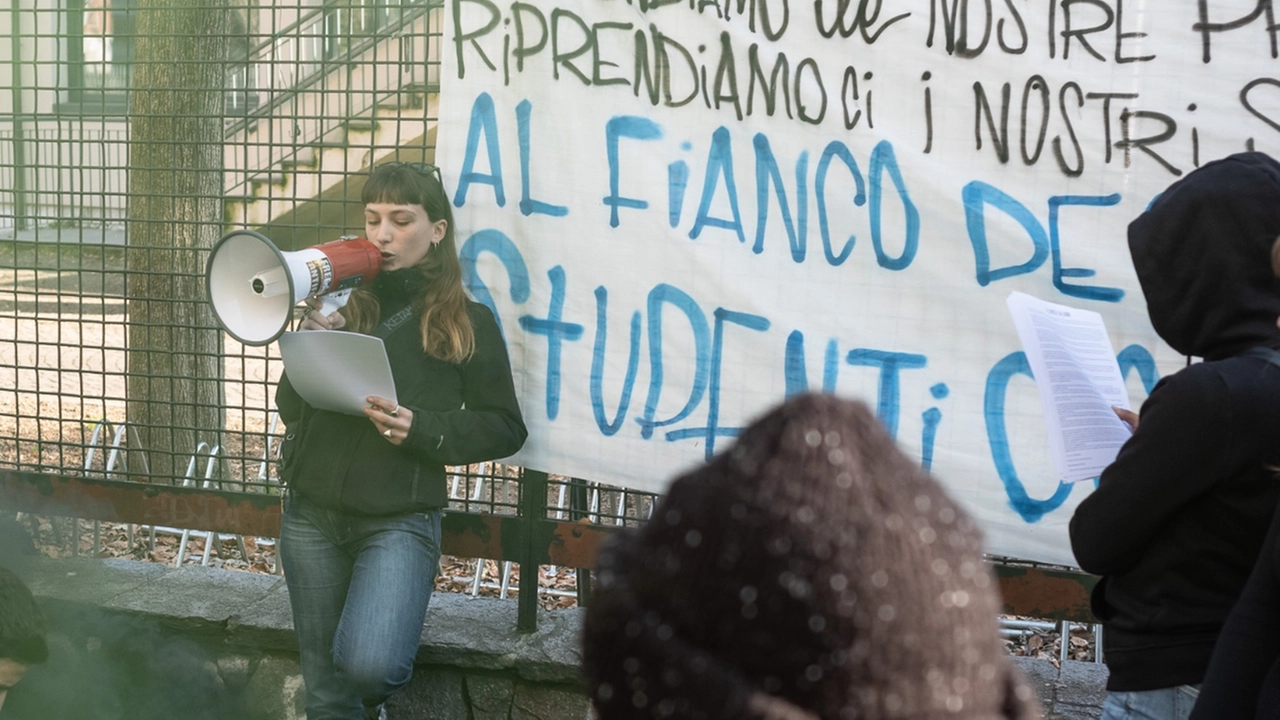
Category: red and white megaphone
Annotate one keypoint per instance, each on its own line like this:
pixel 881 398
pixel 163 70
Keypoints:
pixel 253 286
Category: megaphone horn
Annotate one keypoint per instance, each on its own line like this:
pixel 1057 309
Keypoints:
pixel 253 286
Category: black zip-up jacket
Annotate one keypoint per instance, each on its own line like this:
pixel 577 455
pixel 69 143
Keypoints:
pixel 462 413
pixel 1243 681
pixel 1178 519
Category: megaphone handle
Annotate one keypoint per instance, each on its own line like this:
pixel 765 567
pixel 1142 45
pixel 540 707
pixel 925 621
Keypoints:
pixel 331 303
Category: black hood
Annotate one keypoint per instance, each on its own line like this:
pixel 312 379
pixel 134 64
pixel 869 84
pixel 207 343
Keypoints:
pixel 1202 252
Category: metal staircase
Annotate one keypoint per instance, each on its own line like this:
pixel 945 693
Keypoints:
pixel 337 90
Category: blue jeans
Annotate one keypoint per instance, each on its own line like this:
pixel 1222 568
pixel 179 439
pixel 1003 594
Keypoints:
pixel 1173 703
pixel 359 588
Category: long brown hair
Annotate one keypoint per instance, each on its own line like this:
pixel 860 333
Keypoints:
pixel 446 328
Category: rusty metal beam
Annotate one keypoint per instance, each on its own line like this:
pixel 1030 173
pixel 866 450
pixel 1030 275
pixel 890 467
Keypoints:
pixel 496 537
pixel 140 503
pixel 1029 591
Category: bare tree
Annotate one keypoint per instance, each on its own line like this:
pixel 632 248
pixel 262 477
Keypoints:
pixel 175 396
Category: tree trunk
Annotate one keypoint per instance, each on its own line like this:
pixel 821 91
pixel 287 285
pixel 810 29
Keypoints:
pixel 174 363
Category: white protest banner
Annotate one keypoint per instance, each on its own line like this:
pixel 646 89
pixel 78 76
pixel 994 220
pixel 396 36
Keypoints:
pixel 683 211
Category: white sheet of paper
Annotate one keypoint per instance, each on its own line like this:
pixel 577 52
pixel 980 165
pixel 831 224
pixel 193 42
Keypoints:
pixel 1079 380
pixel 337 370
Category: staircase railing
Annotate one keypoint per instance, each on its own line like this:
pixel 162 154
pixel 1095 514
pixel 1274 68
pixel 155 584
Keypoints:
pixel 322 54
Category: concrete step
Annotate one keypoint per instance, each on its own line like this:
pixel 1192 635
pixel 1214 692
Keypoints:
pixel 1072 692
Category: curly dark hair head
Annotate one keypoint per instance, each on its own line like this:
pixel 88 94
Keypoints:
pixel 812 571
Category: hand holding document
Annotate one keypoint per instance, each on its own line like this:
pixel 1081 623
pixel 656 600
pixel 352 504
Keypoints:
pixel 337 370
pixel 1079 381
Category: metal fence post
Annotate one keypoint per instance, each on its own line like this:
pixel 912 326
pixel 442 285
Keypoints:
pixel 579 504
pixel 19 132
pixel 533 510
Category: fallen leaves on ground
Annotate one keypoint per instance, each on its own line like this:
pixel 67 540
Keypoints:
pixel 1045 644
pixel 557 586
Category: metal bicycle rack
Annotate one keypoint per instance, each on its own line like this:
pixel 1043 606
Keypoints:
pixel 118 455
pixel 1012 628
pixel 211 539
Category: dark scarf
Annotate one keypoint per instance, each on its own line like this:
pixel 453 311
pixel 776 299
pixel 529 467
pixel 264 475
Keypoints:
pixel 397 288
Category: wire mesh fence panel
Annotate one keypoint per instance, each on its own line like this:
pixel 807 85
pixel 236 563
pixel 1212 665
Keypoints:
pixel 131 139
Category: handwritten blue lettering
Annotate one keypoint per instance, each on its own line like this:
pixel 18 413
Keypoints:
pixel 496 242
pixel 529 206
pixel 483 120
pixel 636 128
pixel 611 427
pixel 669 295
pixel 719 165
pixel 556 331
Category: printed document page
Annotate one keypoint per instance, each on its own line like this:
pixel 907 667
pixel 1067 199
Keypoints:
pixel 1079 381
pixel 337 370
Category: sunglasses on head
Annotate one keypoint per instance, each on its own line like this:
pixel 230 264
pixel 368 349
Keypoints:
pixel 426 169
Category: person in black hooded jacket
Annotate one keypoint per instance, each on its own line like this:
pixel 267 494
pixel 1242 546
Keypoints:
pixel 1177 521
pixel 360 535
pixel 1243 680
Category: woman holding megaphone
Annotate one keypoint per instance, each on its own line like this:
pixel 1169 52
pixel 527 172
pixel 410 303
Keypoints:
pixel 360 536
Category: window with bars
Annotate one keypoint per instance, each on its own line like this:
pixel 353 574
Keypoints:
pixel 100 53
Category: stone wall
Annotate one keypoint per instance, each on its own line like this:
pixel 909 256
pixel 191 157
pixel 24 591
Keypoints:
pixel 139 641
